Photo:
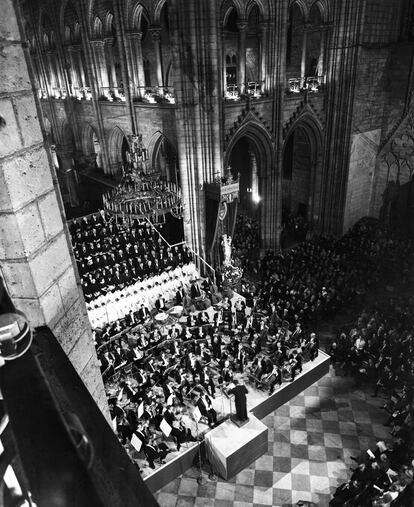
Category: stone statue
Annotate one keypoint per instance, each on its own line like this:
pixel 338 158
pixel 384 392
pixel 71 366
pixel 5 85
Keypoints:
pixel 226 241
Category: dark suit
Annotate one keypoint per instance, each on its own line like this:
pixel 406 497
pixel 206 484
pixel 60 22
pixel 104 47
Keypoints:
pixel 239 392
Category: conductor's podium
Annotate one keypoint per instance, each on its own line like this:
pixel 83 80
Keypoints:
pixel 231 448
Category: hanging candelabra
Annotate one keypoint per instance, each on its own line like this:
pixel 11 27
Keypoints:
pixel 142 192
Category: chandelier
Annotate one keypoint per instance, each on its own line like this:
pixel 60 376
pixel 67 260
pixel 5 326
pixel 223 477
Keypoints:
pixel 142 192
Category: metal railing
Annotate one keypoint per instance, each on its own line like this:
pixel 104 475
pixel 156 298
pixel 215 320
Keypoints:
pixel 254 89
pixel 112 94
pixel 201 264
pixel 301 84
pixel 59 93
pixel 82 93
pixel 155 94
pixel 232 92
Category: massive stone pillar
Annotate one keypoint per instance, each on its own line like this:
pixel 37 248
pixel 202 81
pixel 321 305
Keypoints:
pixel 194 42
pixel 36 259
pixel 341 78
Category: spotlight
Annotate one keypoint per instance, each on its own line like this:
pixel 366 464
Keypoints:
pixel 15 335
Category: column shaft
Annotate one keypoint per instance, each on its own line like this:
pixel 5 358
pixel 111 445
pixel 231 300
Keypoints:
pixel 242 26
pixel 156 39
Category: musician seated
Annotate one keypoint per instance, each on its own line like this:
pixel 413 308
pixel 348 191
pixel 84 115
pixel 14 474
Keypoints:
pixel 180 433
pixel 154 453
pixel 188 305
pixel 275 377
pixel 295 361
pixel 203 318
pixel 192 320
pixel 180 295
pixel 195 291
pixel 144 314
pixel 313 346
pixel 161 304
pixel 205 406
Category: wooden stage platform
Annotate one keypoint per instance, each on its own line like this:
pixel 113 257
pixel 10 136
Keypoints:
pixel 258 403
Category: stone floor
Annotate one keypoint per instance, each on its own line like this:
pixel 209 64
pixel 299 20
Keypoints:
pixel 311 440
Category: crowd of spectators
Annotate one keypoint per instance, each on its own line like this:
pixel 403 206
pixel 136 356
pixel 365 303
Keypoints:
pixel 246 235
pixel 317 277
pixel 378 351
pixel 295 229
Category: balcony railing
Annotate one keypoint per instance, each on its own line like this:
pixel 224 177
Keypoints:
pixel 112 94
pixel 301 84
pixel 83 93
pixel 59 93
pixel 254 89
pixel 155 94
pixel 232 92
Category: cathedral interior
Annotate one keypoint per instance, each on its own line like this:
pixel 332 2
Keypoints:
pixel 197 195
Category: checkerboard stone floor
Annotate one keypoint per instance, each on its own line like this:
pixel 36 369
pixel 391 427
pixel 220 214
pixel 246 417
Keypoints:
pixel 311 441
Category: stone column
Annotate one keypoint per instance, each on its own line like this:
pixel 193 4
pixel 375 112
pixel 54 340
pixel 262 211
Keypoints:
pixel 65 155
pixel 263 51
pixel 59 73
pixel 156 40
pixel 132 64
pixel 36 259
pixel 52 76
pixel 79 60
pixel 223 58
pixel 321 63
pixel 110 59
pixel 242 26
pixel 98 47
pixel 136 38
pixel 73 71
pixel 303 60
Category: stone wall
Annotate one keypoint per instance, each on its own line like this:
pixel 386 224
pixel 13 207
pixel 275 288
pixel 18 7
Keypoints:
pixel 36 260
pixel 364 150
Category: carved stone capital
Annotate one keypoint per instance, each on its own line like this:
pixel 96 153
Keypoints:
pixel 264 26
pixel 135 35
pixel 155 32
pixel 97 42
pixel 242 25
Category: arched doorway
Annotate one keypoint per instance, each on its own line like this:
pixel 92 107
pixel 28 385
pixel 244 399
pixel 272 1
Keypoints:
pixel 91 147
pixel 245 160
pixel 165 160
pixel 299 159
pixel 118 147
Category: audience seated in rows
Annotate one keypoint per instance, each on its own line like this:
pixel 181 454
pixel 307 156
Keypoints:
pixel 378 350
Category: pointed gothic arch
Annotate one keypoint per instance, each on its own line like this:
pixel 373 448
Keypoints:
pixel 258 197
pixel 301 167
pixel 117 146
pixel 164 157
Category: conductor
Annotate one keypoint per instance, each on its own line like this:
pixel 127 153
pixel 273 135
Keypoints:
pixel 240 392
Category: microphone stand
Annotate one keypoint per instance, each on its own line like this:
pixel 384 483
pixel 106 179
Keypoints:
pixel 200 471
